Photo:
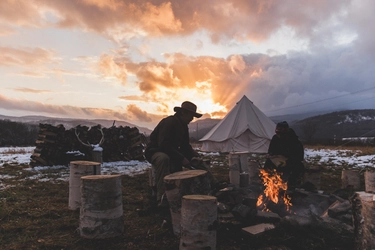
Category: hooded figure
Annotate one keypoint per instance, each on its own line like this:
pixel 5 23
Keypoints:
pixel 285 143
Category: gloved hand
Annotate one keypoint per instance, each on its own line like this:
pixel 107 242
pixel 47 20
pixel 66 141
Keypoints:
pixel 186 164
pixel 195 161
pixel 282 164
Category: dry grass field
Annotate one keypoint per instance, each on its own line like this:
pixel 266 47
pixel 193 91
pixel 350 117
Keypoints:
pixel 34 214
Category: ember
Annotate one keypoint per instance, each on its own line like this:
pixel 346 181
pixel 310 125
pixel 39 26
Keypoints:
pixel 275 189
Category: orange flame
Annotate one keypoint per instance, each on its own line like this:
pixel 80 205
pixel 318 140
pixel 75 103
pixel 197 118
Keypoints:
pixel 273 185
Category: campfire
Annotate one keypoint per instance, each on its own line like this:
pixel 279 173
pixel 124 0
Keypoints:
pixel 274 192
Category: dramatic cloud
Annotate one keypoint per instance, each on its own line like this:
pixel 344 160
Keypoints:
pixel 26 56
pixel 254 20
pixel 140 58
pixel 132 98
pixel 64 111
pixel 303 77
pixel 138 113
pixel 28 90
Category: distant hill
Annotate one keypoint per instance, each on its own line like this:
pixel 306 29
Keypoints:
pixel 323 128
pixel 201 127
pixel 337 125
pixel 71 123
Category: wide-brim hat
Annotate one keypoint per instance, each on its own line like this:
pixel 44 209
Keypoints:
pixel 188 106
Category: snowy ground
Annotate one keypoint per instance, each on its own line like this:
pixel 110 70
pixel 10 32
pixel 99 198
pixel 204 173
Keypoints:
pixel 21 155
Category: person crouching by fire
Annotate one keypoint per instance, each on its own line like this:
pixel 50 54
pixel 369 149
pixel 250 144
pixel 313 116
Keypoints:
pixel 285 155
pixel 169 148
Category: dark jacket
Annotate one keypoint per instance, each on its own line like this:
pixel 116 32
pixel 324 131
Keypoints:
pixel 171 137
pixel 290 147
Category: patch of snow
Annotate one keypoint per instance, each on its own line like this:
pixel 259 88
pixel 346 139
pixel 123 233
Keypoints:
pixel 21 155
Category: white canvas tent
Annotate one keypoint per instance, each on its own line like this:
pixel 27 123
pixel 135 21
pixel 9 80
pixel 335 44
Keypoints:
pixel 244 128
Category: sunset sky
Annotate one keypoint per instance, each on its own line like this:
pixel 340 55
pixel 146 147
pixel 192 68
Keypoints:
pixel 136 60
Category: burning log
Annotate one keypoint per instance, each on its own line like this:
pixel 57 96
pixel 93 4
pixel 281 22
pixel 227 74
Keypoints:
pixel 101 213
pixel 184 183
pixel 274 193
pixel 198 219
pixel 77 170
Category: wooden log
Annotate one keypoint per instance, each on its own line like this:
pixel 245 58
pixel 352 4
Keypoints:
pixel 259 228
pixel 370 180
pixel 36 154
pixel 184 183
pixel 40 160
pixel 77 170
pixel 244 179
pixel 96 154
pixel 198 219
pixel 350 179
pixel 48 133
pixel 152 180
pixel 234 168
pixel 363 209
pixel 101 212
pixel 253 170
pixel 313 176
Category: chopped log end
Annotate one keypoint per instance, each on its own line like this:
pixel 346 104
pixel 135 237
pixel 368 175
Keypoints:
pixel 184 175
pixel 199 197
pixel 98 177
pixel 85 163
pixel 257 229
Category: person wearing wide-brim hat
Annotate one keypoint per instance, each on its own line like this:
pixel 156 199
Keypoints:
pixel 169 148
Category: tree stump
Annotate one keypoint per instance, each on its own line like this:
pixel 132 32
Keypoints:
pixel 184 183
pixel 350 179
pixel 198 219
pixel 370 180
pixel 77 170
pixel 363 208
pixel 97 154
pixel 234 168
pixel 253 170
pixel 101 213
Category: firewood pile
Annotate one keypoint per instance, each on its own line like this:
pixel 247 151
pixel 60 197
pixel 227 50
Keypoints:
pixel 57 146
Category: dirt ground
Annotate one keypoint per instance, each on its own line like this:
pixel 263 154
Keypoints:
pixel 35 215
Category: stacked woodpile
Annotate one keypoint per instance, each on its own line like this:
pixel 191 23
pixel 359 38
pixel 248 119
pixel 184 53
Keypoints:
pixel 57 146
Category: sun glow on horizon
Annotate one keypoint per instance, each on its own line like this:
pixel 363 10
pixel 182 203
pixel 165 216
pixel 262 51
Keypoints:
pixel 201 96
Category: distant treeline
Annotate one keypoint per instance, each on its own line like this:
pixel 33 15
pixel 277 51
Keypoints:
pixel 17 134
